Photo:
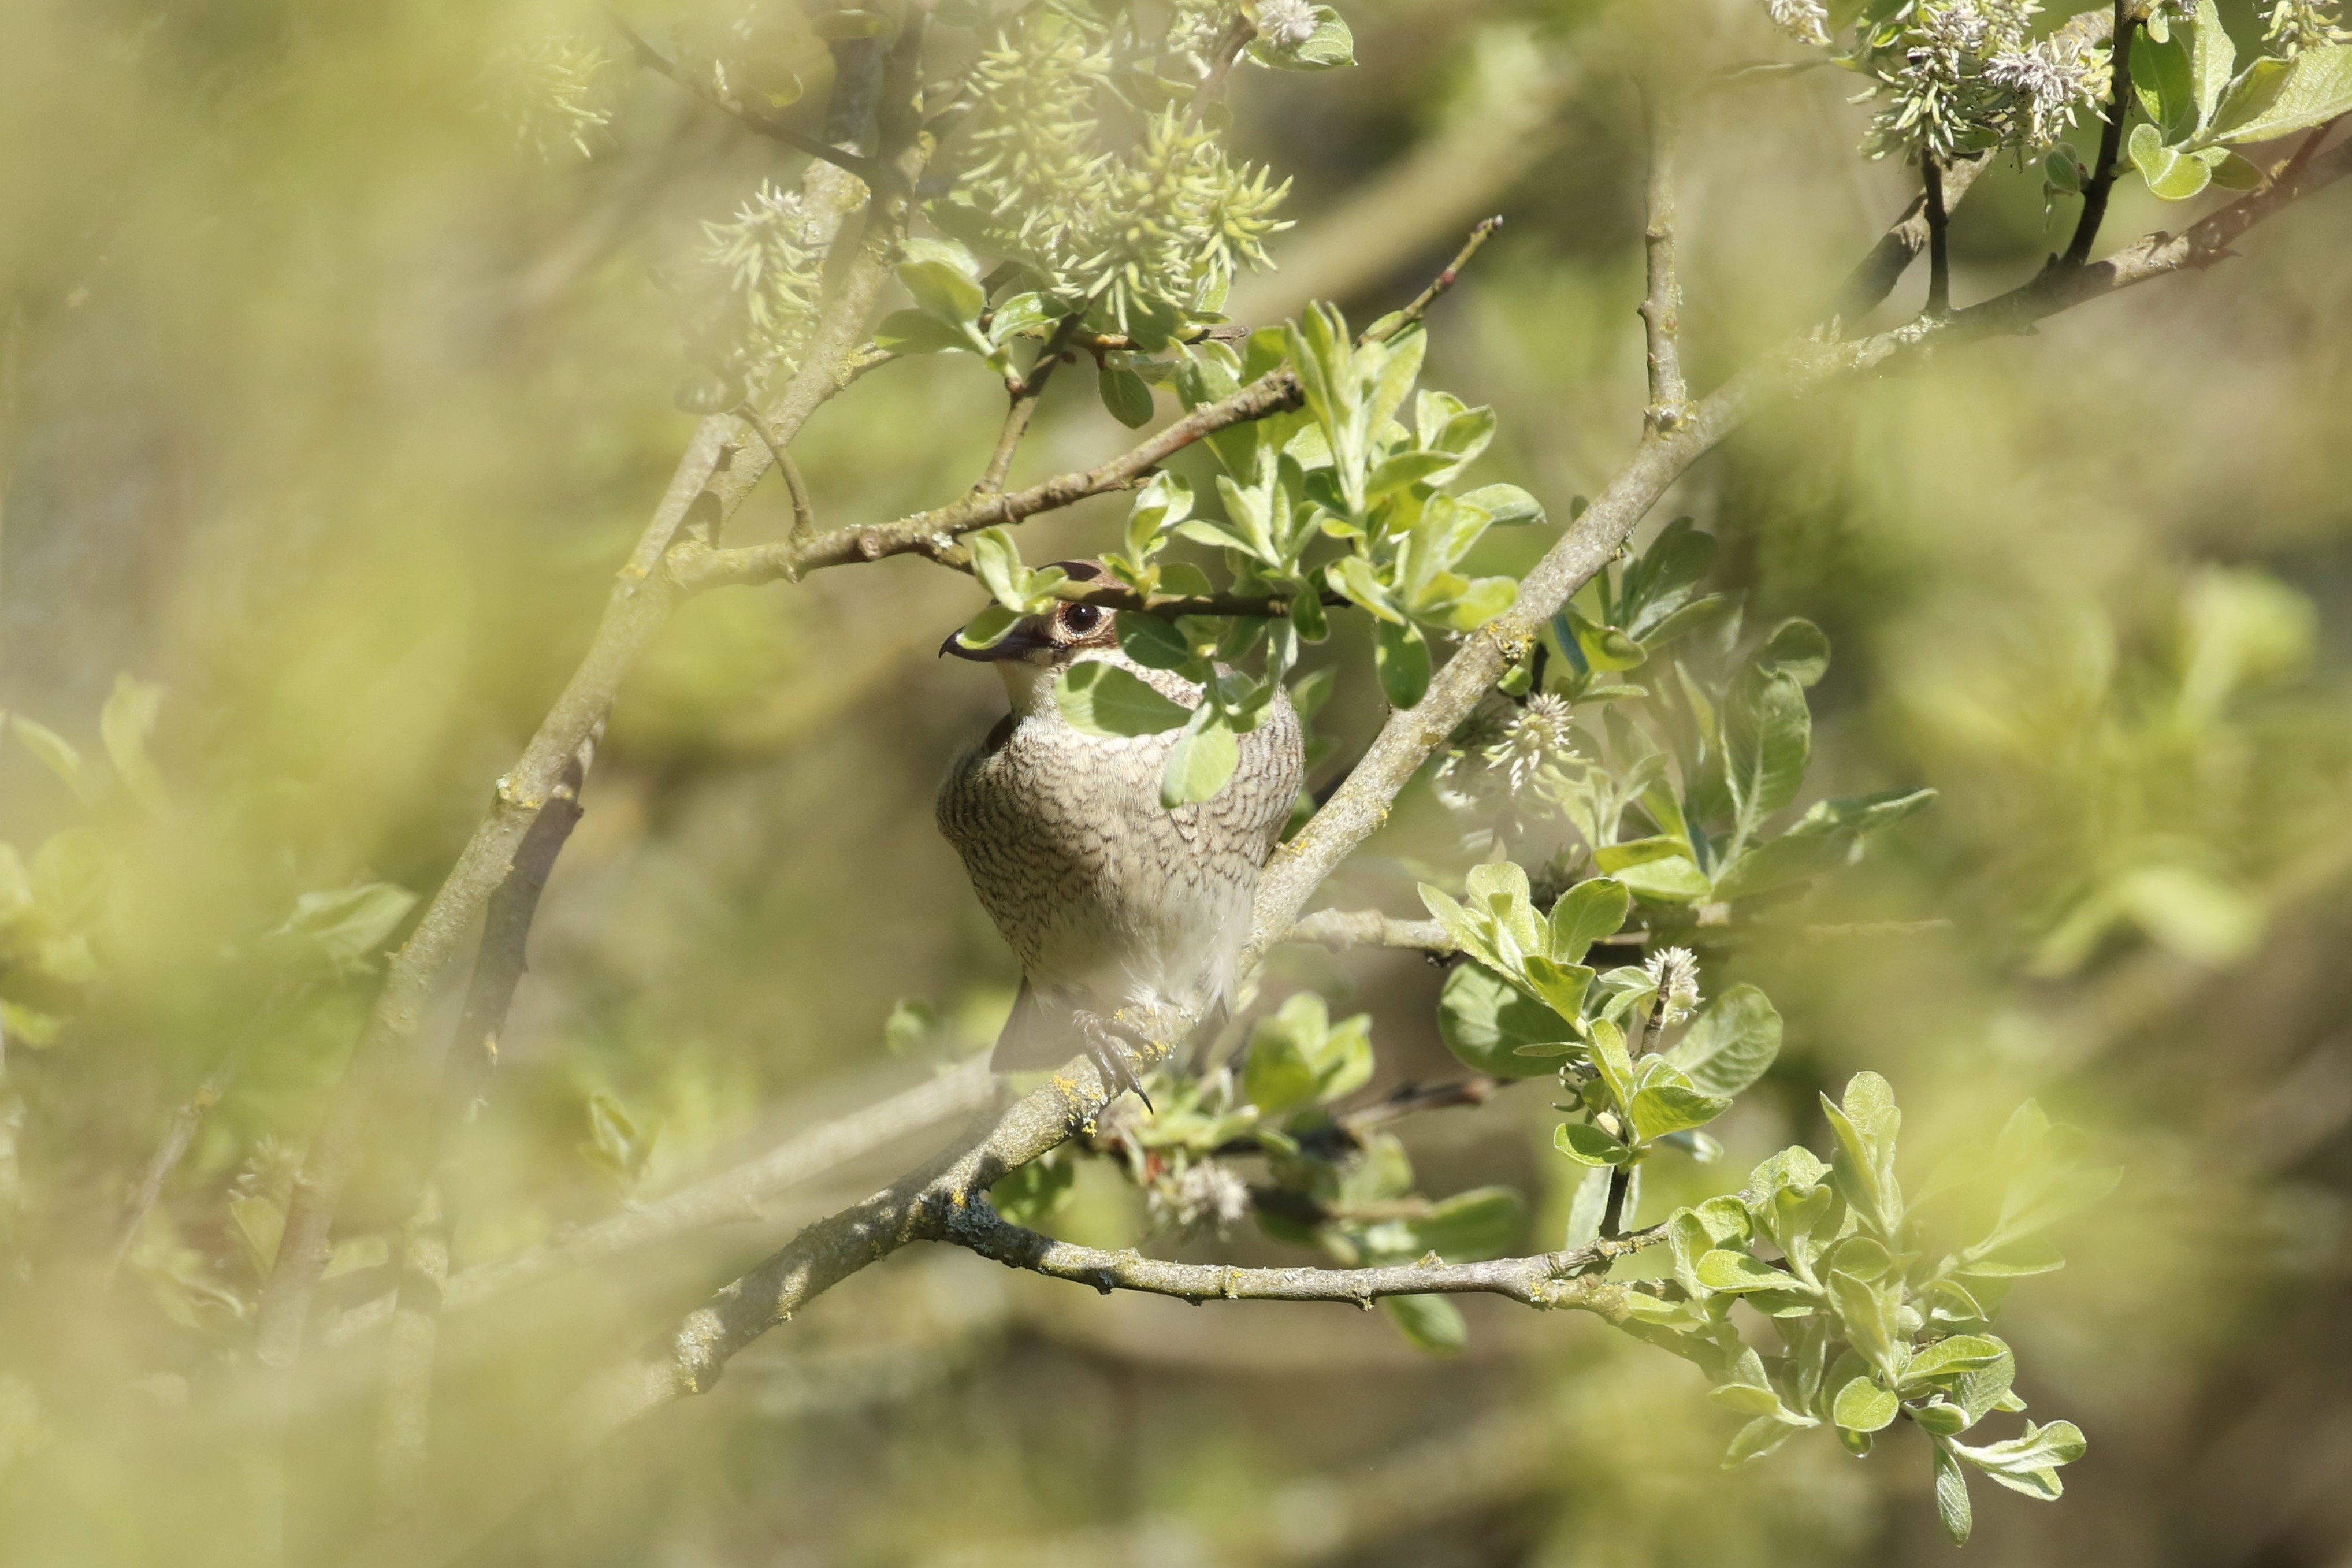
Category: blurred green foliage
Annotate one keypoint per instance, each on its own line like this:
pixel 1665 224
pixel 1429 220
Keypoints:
pixel 342 347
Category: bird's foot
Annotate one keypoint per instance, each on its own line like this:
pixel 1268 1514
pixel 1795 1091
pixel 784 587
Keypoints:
pixel 1112 1058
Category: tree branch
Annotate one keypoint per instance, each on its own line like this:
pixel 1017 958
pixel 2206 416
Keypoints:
pixel 933 533
pixel 1939 252
pixel 424 1265
pixel 2124 25
pixel 1662 305
pixel 1550 1280
pixel 709 482
pixel 1870 281
pixel 1361 803
pixel 1390 326
pixel 1025 395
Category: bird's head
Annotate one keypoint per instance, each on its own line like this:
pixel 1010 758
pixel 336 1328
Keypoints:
pixel 1041 647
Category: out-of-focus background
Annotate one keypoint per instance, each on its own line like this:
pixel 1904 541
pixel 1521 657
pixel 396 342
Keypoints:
pixel 330 402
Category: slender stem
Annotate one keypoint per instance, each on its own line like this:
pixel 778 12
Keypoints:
pixel 1940 256
pixel 1026 393
pixel 177 1135
pixel 804 512
pixel 1236 37
pixel 2126 26
pixel 1875 276
pixel 1661 305
pixel 1550 1280
pixel 933 533
pixel 1390 326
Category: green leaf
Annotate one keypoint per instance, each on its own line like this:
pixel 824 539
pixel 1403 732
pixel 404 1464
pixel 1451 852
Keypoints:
pixel 1431 1323
pixel 1102 698
pixel 1767 742
pixel 2029 1464
pixel 1401 469
pixel 1484 1019
pixel 2211 57
pixel 2171 174
pixel 2165 85
pixel 1951 1493
pixel 2270 98
pixel 1730 1044
pixel 1668 1107
pixel 1756 1439
pixel 1736 1272
pixel 1153 642
pixel 941 287
pixel 1126 395
pixel 1862 1406
pixel 1508 505
pixel 1402 655
pixel 1021 313
pixel 1654 868
pixel 1559 986
pixel 1298 1057
pixel 346 927
pixel 1798 649
pixel 1946 1360
pixel 124 725
pixel 2061 170
pixel 1038 1191
pixel 1587 1207
pixel 1867 1312
pixel 1589 911
pixel 989 627
pixel 919 332
pixel 1587 1145
pixel 1472 1226
pixel 1202 759
pixel 1474 606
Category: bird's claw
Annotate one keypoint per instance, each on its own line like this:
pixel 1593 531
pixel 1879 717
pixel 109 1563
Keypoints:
pixel 1111 1059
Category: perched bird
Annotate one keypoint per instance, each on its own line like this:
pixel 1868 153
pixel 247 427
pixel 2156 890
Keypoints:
pixel 1113 902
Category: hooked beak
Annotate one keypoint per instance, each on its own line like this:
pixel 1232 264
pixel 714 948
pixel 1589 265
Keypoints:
pixel 1018 643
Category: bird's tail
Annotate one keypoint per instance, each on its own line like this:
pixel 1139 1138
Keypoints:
pixel 1036 1037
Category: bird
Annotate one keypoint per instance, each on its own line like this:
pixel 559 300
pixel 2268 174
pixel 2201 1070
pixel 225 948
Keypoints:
pixel 1116 906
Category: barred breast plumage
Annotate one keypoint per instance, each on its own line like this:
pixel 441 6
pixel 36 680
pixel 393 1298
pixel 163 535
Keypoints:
pixel 1108 899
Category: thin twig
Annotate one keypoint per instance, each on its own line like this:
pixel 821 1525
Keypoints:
pixel 1550 1279
pixel 2125 24
pixel 934 532
pixel 1390 326
pixel 1939 253
pixel 177 1135
pixel 1026 393
pixel 1879 272
pixel 715 93
pixel 1661 305
pixel 803 514
pixel 1237 37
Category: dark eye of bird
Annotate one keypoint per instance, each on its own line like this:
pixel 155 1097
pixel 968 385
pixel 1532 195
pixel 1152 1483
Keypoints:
pixel 1081 618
